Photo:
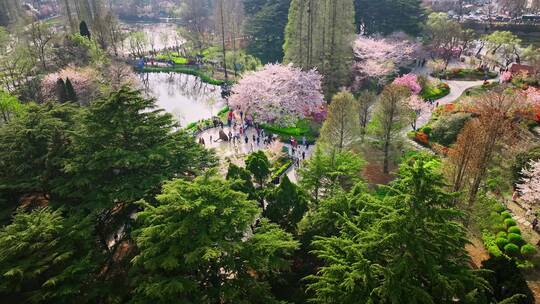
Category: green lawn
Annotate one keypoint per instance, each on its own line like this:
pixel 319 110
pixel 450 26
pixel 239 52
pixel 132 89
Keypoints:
pixel 464 74
pixel 174 57
pixel 435 91
pixel 302 128
pixel 478 90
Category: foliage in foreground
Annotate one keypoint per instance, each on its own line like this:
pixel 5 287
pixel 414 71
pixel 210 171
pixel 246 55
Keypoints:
pixel 408 246
pixel 196 246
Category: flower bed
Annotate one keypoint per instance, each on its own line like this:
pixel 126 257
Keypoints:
pixel 465 74
pixel 435 91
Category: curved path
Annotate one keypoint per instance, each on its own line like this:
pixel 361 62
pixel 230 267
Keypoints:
pixel 236 154
pixel 457 88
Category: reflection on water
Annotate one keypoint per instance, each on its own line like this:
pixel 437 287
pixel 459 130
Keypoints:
pixel 184 96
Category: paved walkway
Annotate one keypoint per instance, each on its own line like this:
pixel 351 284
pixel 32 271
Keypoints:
pixel 457 88
pixel 237 153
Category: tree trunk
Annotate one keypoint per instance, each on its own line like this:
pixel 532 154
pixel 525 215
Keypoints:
pixel 386 151
pixel 223 38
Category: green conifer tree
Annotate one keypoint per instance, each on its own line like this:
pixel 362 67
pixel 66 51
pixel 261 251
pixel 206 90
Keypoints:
pixel 83 30
pixel 70 91
pixel 61 92
pixel 320 34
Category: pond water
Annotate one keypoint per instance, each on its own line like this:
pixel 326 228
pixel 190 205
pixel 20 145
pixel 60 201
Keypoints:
pixel 186 97
pixel 159 35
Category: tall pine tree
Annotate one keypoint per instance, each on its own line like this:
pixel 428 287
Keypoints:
pixel 408 247
pixel 266 21
pixel 83 30
pixel 388 16
pixel 319 34
pixel 61 93
pixel 70 91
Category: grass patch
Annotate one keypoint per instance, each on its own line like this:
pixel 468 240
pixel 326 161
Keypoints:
pixel 185 70
pixel 303 127
pixel 465 74
pixel 435 91
pixel 280 167
pixel 479 90
pixel 175 58
pixel 193 127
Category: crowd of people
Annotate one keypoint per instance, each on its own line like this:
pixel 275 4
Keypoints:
pixel 244 135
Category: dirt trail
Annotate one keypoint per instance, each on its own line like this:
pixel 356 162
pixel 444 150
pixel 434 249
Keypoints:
pixel 477 251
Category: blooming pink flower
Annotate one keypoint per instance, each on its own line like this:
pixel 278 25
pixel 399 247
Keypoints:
pixel 380 57
pixel 506 76
pixel 410 81
pixel 279 94
pixel 533 95
pixel 529 187
pixel 83 81
pixel 417 106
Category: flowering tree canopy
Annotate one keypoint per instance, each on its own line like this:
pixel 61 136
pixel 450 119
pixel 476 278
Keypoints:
pixel 529 188
pixel 379 57
pixel 83 81
pixel 506 76
pixel 278 94
pixel 533 95
pixel 410 81
pixel 417 106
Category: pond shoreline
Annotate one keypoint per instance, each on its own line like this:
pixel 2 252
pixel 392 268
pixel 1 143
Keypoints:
pixel 188 70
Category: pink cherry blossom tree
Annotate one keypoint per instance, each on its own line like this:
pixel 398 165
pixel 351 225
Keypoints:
pixel 417 107
pixel 529 187
pixel 279 94
pixel 533 95
pixel 84 81
pixel 410 81
pixel 377 58
pixel 506 76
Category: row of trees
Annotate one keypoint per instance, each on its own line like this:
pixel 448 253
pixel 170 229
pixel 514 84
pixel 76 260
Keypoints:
pixel 318 34
pixel 194 241
pixel 10 11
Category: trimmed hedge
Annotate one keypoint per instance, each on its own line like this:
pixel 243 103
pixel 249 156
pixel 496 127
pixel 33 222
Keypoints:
pixel 528 250
pixel 511 249
pixel 514 229
pixel 465 74
pixel 302 128
pixel 515 239
pixel 506 214
pixel 501 242
pixel 501 234
pixel 279 172
pixel 509 223
pixel 491 246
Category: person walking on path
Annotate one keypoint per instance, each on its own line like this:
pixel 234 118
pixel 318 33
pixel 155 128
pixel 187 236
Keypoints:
pixel 528 214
